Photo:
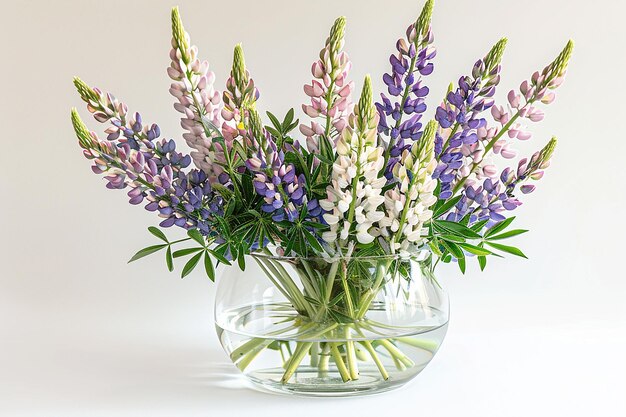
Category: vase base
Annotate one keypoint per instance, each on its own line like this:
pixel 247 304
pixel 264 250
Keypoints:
pixel 309 382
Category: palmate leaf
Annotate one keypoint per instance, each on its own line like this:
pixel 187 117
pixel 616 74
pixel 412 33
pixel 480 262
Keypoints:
pixel 147 251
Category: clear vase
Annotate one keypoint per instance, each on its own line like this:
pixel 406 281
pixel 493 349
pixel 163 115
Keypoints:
pixel 331 327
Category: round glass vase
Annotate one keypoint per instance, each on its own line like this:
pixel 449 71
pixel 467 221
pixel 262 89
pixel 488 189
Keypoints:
pixel 331 327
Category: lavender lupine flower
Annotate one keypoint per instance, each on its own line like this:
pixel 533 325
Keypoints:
pixel 239 96
pixel 459 117
pixel 130 133
pixel 330 91
pixel 278 183
pixel 198 101
pixel 174 194
pixel 407 205
pixel 273 179
pixel 187 201
pixel 540 88
pixel 405 88
pixel 482 199
pixel 355 193
pixel 528 169
pixel 491 199
pixel 124 128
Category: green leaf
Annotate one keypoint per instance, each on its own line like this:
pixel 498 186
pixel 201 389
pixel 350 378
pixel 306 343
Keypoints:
pixel 146 251
pixel 219 256
pixel 208 266
pixel 498 227
pixel 158 233
pixel 508 234
pixel 446 206
pixel 274 120
pixel 168 259
pixel 273 131
pixel 311 300
pixel 477 227
pixel 434 246
pixel 336 299
pixel 324 159
pixel 187 251
pixel 456 251
pixel 197 236
pixel 190 265
pixel 475 249
pixel 452 238
pixel 241 257
pixel 288 119
pixel 312 241
pixel 482 261
pixel 508 249
pixel 457 229
pixel 462 265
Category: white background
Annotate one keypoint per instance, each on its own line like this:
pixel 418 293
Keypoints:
pixel 84 334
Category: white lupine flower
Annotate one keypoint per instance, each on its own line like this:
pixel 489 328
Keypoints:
pixel 355 194
pixel 407 205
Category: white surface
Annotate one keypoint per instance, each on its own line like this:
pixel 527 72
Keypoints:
pixel 84 334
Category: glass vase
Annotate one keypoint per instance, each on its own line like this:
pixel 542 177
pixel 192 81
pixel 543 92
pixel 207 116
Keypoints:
pixel 331 327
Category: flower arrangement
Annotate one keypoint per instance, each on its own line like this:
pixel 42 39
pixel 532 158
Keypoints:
pixel 369 179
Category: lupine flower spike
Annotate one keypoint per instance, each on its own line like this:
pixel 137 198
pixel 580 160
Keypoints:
pixel 330 91
pixel 198 100
pixel 355 192
pixel 401 111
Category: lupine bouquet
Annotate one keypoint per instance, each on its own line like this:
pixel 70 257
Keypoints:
pixel 369 176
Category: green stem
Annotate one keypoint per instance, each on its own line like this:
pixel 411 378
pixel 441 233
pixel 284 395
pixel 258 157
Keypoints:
pixel 302 349
pixel 341 366
pixel 350 354
pixel 368 297
pixel 377 361
pixel 324 358
pixel 396 353
pixel 488 147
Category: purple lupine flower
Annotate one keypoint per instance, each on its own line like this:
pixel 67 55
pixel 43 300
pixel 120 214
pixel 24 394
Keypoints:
pixel 459 117
pixel 405 88
pixel 187 201
pixel 491 199
pixel 277 182
pixel 484 202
